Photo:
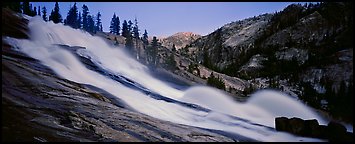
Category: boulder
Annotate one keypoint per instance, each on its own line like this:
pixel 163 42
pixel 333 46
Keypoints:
pixel 312 128
pixel 296 126
pixel 281 124
pixel 334 132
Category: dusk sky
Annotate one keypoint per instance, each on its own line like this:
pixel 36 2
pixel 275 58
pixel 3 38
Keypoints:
pixel 166 18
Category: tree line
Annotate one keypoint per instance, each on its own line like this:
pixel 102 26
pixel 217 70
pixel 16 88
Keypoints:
pixel 92 24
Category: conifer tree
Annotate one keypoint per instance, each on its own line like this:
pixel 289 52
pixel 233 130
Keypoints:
pixel 55 16
pixel 98 25
pixel 117 26
pixel 112 24
pixel 130 27
pixel 26 8
pixel 136 37
pixel 34 12
pixel 72 17
pixel 79 21
pixel 39 10
pixel 145 43
pixel 44 11
pixel 91 24
pixel 125 30
pixel 153 52
pixel 85 17
pixel 145 37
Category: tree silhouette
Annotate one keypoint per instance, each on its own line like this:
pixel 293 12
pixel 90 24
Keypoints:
pixel 91 24
pixel 79 21
pixel 44 11
pixel 136 36
pixel 39 10
pixel 170 62
pixel 115 25
pixel 26 8
pixel 125 30
pixel 98 26
pixel 145 37
pixel 55 15
pixel 152 52
pixel 215 82
pixel 72 17
pixel 85 17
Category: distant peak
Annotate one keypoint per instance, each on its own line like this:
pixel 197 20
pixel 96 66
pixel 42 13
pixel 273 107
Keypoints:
pixel 184 34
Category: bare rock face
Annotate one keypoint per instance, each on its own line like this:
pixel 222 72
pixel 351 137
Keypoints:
pixel 37 105
pixel 180 40
pixel 226 44
pixel 13 24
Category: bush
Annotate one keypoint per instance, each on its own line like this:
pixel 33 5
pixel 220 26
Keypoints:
pixel 216 82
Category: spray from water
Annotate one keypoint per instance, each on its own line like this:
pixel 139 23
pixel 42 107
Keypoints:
pixel 255 118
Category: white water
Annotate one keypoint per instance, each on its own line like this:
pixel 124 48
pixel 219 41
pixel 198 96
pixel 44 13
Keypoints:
pixel 261 108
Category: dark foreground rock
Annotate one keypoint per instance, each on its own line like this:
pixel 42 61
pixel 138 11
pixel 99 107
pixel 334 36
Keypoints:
pixel 334 132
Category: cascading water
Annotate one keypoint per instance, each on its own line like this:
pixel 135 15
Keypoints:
pixel 254 119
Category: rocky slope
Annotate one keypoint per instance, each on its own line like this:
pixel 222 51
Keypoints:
pixel 179 40
pixel 38 105
pixel 305 51
pixel 224 45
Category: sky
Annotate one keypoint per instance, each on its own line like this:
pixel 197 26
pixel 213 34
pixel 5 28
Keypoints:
pixel 163 19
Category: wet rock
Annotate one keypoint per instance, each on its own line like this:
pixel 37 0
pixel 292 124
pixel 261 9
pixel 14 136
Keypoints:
pixel 296 126
pixel 312 128
pixel 38 105
pixel 334 131
pixel 281 124
pixel 13 25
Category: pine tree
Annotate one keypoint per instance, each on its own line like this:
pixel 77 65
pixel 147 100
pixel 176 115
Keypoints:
pixel 171 63
pixel 112 24
pixel 39 10
pixel 98 22
pixel 125 30
pixel 26 8
pixel 136 36
pixel 55 15
pixel 145 37
pixel 79 21
pixel 129 44
pixel 153 52
pixel 215 82
pixel 34 12
pixel 91 24
pixel 44 11
pixel 145 43
pixel 136 29
pixel 117 25
pixel 130 27
pixel 85 17
pixel 129 40
pixel 50 18
pixel 72 17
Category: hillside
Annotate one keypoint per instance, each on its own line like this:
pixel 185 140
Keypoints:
pixel 179 40
pixel 305 51
pixel 285 76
